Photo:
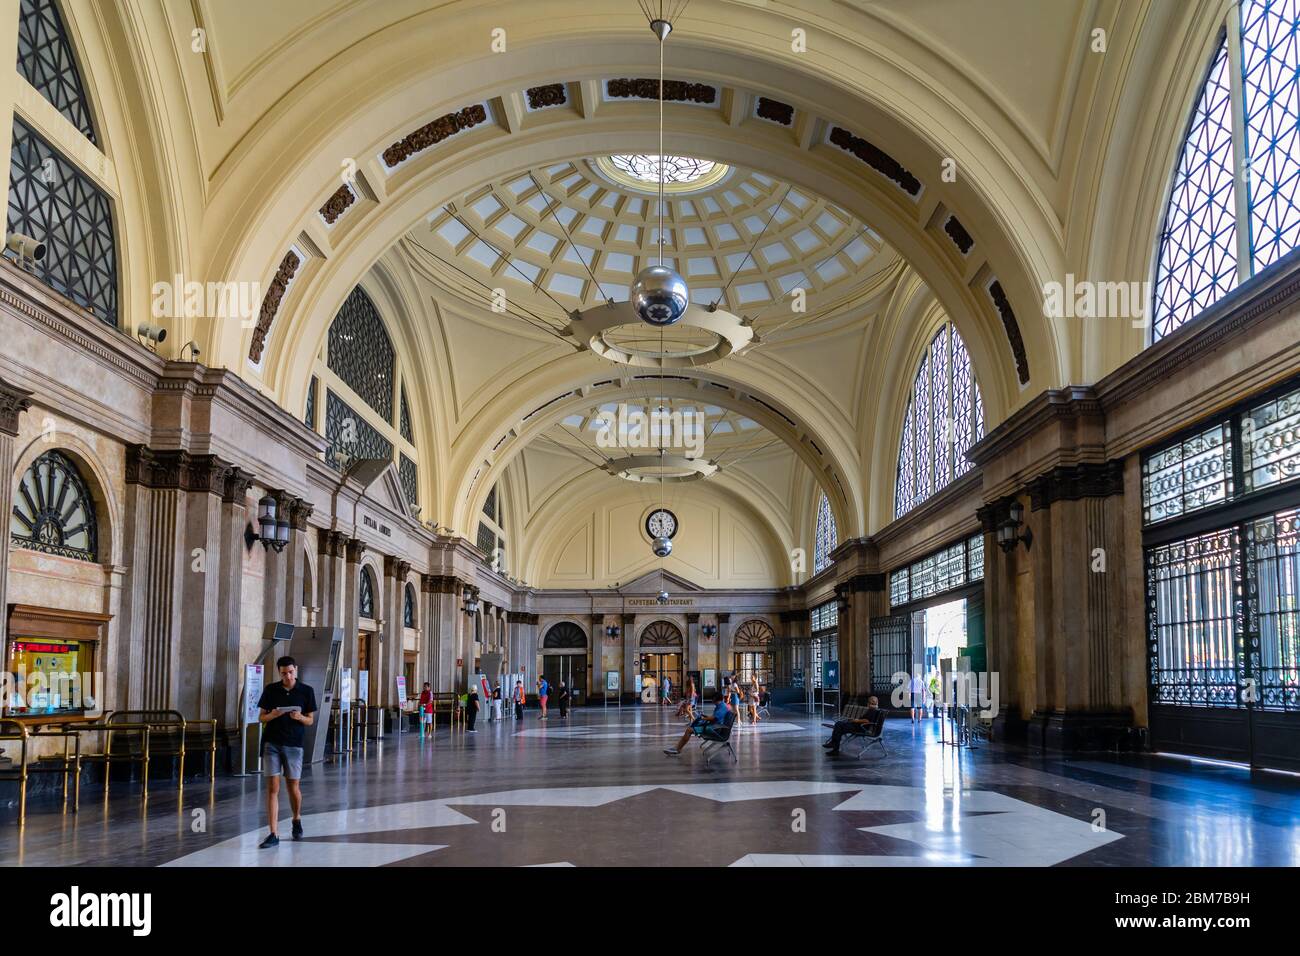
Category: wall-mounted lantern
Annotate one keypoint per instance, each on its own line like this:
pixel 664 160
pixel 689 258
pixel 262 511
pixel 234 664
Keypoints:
pixel 272 527
pixel 1008 535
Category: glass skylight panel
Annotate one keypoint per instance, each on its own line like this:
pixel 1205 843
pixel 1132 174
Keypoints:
pixel 452 232
pixel 510 225
pixel 618 262
pixel 483 254
pixel 542 242
pixel 711 205
pixel 752 292
pixel 792 280
pixel 527 268
pixel 776 253
pixel 593 227
pixel 807 240
pixel 831 269
pixel 829 224
pixel 754 224
pixel 797 199
pixel 702 266
pixel 858 250
pixel 563 284
pixel 695 236
pixel 726 232
pixel 703 296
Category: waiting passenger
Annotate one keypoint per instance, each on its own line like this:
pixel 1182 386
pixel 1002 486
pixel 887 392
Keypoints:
pixel 542 688
pixel 496 701
pixel 564 701
pixel 471 709
pixel 687 707
pixel 698 725
pixel 852 726
pixel 519 700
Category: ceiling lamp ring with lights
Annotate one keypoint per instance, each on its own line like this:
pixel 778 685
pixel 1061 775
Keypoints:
pixel 660 468
pixel 590 328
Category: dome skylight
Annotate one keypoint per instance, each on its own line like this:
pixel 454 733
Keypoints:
pixel 681 173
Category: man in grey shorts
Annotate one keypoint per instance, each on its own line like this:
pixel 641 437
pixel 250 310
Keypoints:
pixel 287 708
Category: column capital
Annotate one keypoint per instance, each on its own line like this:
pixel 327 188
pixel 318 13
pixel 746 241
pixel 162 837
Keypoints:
pixel 332 543
pixel 438 584
pixel 13 402
pixel 723 617
pixel 236 486
pixel 299 512
pixel 175 469
pixel 355 549
pixel 1099 479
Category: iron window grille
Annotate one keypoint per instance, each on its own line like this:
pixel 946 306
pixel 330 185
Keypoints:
pixel 366 595
pixel 361 354
pixel 53 510
pixel 47 61
pixel 52 200
pixel 349 433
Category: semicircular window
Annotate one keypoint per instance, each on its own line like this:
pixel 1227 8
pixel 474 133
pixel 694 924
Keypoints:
pixel 661 634
pixel 565 636
pixel 53 510
pixel 945 416
pixel 366 595
pixel 752 634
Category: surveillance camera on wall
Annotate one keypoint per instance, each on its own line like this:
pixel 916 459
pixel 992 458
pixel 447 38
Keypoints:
pixel 194 349
pixel 153 333
pixel 25 248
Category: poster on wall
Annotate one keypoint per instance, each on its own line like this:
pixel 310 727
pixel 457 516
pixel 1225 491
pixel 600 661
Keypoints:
pixel 363 685
pixel 345 691
pixel 252 692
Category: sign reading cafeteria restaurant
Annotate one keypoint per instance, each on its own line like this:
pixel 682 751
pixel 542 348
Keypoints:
pixel 655 602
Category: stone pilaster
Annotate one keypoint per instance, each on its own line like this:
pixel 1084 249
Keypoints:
pixel 13 402
pixel 332 571
pixel 726 664
pixel 692 642
pixel 227 664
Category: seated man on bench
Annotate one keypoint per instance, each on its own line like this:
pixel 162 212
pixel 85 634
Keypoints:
pixel 698 725
pixel 855 727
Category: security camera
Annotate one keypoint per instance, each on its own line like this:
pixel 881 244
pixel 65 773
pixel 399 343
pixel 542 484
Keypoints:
pixel 663 547
pixel 151 332
pixel 195 351
pixel 25 247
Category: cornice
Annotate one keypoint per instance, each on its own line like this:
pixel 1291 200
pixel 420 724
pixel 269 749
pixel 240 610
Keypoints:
pixel 177 470
pixel 1055 404
pixel 933 506
pixel 1072 483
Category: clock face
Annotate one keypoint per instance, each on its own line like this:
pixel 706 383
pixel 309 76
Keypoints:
pixel 661 523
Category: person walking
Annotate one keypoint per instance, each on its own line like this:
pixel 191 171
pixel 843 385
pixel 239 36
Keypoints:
pixel 918 697
pixel 519 700
pixel 542 689
pixel 496 701
pixel 286 709
pixel 564 701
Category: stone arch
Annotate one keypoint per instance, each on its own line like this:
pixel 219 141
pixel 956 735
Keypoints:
pixel 660 633
pixel 369 566
pixel 96 477
pixel 565 636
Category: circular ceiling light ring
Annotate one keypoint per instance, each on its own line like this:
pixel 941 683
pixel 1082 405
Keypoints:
pixel 644 467
pixel 610 340
pixel 588 328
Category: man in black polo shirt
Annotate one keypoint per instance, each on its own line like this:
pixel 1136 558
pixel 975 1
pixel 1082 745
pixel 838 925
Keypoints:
pixel 287 710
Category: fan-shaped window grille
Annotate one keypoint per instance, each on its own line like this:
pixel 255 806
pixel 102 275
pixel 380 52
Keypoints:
pixel 945 416
pixel 565 636
pixel 752 634
pixel 408 607
pixel 52 199
pixel 53 511
pixel 661 634
pixel 361 353
pixel 1249 148
pixel 366 594
pixel 46 60
pixel 826 536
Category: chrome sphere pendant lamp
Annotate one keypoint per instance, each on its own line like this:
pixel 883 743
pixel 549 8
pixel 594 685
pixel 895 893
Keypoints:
pixel 658 294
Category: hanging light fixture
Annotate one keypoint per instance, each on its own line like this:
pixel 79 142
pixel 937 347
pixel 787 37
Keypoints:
pixel 658 294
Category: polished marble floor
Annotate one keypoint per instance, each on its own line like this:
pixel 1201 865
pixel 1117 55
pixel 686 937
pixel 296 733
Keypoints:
pixel 598 790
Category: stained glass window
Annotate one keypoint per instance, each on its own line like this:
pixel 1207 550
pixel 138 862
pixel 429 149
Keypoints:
pixel 361 353
pixel 826 538
pixel 945 416
pixel 53 511
pixel 366 594
pixel 350 436
pixel 410 476
pixel 53 201
pixel 46 60
pixel 404 419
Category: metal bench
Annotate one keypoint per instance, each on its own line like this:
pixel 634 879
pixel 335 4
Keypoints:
pixel 870 735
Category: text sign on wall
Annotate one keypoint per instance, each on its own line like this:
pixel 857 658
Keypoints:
pixel 655 602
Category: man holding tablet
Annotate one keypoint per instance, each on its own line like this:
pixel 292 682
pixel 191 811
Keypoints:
pixel 287 708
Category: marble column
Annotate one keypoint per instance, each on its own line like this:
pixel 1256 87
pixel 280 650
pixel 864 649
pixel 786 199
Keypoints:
pixel 442 631
pixel 332 571
pixel 726 664
pixel 13 402
pixel 354 550
pixel 228 663
pixel 395 573
pixel 692 642
pixel 295 562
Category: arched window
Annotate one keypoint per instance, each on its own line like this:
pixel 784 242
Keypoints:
pixel 826 539
pixel 945 416
pixel 565 636
pixel 408 608
pixel 53 511
pixel 1203 251
pixel 46 60
pixel 361 353
pixel 366 595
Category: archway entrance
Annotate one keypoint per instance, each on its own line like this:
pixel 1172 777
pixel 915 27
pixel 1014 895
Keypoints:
pixel 661 662
pixel 564 659
pixel 752 653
